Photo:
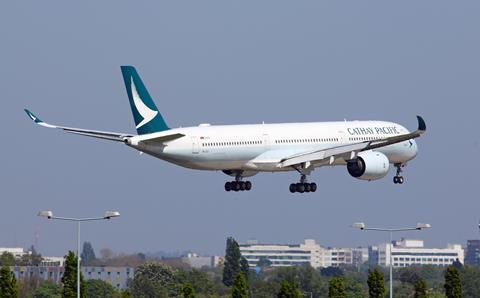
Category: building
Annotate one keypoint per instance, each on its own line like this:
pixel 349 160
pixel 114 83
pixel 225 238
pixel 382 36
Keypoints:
pixel 309 252
pixel 196 261
pixel 373 255
pixel 360 256
pixel 17 252
pixel 472 252
pixel 334 256
pixel 407 252
pixel 52 261
pixel 116 276
pixel 282 255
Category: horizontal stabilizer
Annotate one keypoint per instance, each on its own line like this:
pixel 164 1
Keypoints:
pixel 162 139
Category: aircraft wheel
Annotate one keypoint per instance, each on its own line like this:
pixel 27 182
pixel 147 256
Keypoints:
pixel 307 187
pixel 313 187
pixel 400 180
pixel 293 188
pixel 395 179
pixel 228 186
pixel 300 187
pixel 248 185
pixel 242 185
pixel 235 186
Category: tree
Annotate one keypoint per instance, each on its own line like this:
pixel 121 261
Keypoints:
pixel 260 287
pixel 48 290
pixel 263 262
pixel 88 254
pixel 69 278
pixel 457 264
pixel 232 261
pixel 420 289
pixel 28 284
pixel 453 285
pixel 188 291
pixel 35 257
pixel 30 259
pixel 336 288
pixel 410 275
pixel 100 288
pixel 240 289
pixel 470 276
pixel 288 290
pixel 331 271
pixel 8 283
pixel 154 280
pixel 199 281
pixel 376 283
pixel 7 259
pixel 244 268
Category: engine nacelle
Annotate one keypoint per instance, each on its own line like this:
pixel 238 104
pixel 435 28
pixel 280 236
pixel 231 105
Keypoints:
pixel 369 166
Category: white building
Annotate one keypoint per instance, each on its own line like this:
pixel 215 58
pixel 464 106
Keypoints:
pixel 282 255
pixel 118 277
pixel 17 252
pixel 52 261
pixel 407 252
pixel 309 252
pixel 196 261
pixel 334 256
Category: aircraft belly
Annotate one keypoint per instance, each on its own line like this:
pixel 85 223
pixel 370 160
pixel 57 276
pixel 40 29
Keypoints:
pixel 400 152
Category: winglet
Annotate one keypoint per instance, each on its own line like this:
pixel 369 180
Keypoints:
pixel 38 120
pixel 33 117
pixel 421 124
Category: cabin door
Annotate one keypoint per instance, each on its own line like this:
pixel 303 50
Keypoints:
pixel 195 145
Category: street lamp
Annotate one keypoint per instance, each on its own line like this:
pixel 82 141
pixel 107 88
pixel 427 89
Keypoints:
pixel 107 215
pixel 363 227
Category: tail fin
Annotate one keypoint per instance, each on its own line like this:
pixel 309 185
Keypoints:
pixel 146 115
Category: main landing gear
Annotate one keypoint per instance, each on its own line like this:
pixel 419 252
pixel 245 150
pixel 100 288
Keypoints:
pixel 238 185
pixel 398 178
pixel 303 186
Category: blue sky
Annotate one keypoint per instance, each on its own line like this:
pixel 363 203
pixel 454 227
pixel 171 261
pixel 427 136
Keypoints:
pixel 224 63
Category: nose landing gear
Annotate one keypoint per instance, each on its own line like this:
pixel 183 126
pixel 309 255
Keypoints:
pixel 398 178
pixel 303 186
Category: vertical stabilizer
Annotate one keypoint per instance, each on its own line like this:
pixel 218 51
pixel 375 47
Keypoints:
pixel 145 114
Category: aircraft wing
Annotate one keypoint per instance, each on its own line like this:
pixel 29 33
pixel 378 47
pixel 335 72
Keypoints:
pixel 351 150
pixel 112 136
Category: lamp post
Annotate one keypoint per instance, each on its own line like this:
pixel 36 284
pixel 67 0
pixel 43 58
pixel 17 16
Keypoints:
pixel 49 215
pixel 362 226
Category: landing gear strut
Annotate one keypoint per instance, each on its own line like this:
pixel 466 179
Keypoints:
pixel 303 186
pixel 238 184
pixel 398 178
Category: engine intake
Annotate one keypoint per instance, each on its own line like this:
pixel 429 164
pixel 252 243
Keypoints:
pixel 369 166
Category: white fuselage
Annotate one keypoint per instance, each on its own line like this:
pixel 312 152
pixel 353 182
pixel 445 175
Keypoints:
pixel 260 147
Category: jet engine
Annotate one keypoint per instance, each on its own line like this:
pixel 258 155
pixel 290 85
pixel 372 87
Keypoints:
pixel 368 165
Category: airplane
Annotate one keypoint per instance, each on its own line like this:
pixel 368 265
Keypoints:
pixel 366 148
